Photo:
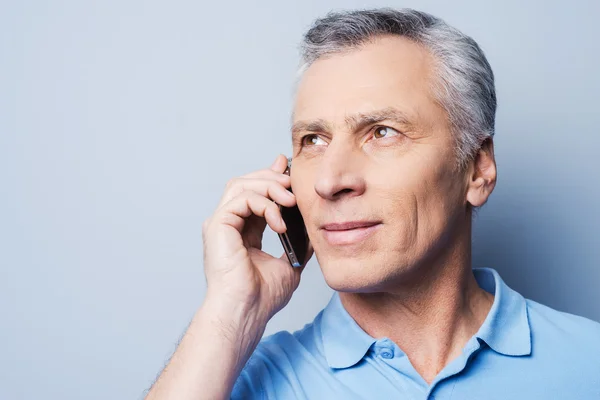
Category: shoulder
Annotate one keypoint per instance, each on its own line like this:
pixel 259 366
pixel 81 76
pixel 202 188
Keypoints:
pixel 275 363
pixel 292 347
pixel 563 330
pixel 562 322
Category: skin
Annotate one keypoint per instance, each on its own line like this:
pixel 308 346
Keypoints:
pixel 410 280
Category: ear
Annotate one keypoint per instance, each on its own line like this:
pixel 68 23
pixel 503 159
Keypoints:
pixel 482 175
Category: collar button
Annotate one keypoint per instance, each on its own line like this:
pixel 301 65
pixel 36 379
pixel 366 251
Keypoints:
pixel 387 354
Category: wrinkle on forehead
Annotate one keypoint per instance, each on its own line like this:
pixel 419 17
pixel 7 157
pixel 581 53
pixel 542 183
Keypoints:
pixel 395 64
pixel 393 72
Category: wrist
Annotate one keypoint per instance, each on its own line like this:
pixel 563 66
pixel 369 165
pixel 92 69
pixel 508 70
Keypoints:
pixel 240 323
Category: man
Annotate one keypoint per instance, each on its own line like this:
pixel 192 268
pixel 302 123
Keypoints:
pixel 392 151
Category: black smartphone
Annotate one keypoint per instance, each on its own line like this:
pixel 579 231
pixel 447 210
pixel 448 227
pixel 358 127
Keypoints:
pixel 295 239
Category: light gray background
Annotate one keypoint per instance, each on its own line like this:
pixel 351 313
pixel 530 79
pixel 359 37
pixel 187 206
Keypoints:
pixel 121 121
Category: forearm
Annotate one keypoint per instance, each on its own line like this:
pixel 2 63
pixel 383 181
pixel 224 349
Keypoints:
pixel 211 354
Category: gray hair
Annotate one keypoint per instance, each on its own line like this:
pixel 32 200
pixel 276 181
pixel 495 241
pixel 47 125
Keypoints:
pixel 465 84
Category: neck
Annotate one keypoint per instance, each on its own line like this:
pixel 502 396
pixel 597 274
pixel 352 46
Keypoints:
pixel 432 316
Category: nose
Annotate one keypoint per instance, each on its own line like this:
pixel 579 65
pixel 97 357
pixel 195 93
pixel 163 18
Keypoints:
pixel 340 174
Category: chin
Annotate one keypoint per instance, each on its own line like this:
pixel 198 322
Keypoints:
pixel 356 274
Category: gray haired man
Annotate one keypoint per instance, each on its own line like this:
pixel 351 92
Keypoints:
pixel 392 151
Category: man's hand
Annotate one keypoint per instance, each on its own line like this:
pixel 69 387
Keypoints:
pixel 238 272
pixel 245 288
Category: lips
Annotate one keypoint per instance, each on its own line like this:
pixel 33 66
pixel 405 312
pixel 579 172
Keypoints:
pixel 351 232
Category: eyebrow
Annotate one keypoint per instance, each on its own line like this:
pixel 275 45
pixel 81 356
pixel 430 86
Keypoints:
pixel 354 122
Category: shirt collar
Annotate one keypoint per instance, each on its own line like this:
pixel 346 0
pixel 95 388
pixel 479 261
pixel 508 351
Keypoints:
pixel 344 342
pixel 505 329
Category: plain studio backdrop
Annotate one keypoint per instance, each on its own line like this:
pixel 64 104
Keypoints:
pixel 121 122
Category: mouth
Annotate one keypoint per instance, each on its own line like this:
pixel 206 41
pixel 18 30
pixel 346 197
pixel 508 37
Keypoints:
pixel 347 233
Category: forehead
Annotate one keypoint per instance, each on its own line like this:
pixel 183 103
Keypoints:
pixel 388 72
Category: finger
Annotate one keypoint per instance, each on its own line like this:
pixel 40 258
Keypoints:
pixel 280 163
pixel 268 173
pixel 235 212
pixel 265 187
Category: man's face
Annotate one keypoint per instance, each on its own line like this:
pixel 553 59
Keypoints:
pixel 397 175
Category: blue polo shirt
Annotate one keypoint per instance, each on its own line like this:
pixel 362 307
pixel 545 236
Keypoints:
pixel 523 350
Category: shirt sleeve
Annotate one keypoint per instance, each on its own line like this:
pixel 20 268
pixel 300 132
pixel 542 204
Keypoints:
pixel 270 372
pixel 249 384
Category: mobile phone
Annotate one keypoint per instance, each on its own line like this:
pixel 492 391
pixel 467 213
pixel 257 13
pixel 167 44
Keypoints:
pixel 295 239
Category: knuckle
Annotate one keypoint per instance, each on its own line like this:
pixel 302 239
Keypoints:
pixel 227 218
pixel 232 183
pixel 247 195
pixel 274 185
pixel 274 208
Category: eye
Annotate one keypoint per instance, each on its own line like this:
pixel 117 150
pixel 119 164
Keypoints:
pixel 313 140
pixel 384 131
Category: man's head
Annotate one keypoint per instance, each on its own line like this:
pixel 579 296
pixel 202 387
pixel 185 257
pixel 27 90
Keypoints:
pixel 392 125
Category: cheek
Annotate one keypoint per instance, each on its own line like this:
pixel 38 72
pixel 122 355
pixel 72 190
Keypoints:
pixel 399 208
pixel 438 197
pixel 305 197
pixel 393 198
pixel 417 201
